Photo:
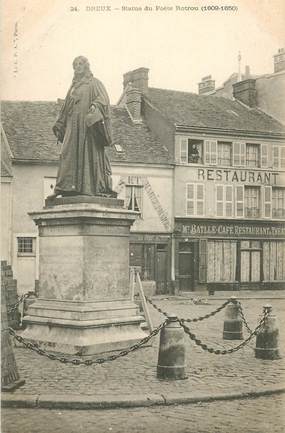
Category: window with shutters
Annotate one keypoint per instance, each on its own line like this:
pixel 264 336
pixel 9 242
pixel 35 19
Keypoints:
pixel 278 202
pixel 224 153
pixel 267 201
pixel 224 200
pixel 191 151
pixel 195 151
pixel 195 198
pixel 238 153
pixel 183 150
pixel 252 155
pixel 252 201
pixel 210 152
pixel 134 194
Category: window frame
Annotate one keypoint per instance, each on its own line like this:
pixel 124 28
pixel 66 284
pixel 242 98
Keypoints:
pixel 195 199
pixel 31 253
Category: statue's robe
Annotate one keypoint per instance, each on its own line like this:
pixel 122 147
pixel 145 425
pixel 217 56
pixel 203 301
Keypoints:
pixel 84 167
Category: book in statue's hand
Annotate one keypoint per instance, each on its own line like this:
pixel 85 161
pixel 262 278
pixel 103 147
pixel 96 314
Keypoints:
pixel 93 117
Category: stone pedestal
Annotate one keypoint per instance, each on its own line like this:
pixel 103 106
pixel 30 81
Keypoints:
pixel 84 305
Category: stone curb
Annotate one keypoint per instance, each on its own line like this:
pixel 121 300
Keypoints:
pixel 79 402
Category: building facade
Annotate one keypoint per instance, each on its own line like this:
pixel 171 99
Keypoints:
pixel 229 185
pixel 229 212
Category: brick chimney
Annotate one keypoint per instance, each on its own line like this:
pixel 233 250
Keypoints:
pixel 279 60
pixel 206 86
pixel 133 102
pixel 247 72
pixel 245 92
pixel 138 79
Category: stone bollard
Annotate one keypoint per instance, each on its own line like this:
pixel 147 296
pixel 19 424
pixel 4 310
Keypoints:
pixel 267 338
pixel 171 357
pixel 232 322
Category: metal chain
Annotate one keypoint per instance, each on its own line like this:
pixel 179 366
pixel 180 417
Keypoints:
pixel 20 300
pixel 78 361
pixel 218 351
pixel 156 307
pixel 196 319
pixel 243 318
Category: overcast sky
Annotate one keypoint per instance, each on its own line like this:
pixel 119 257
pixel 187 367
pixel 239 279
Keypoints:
pixel 41 38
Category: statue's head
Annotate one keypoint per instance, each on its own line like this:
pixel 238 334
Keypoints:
pixel 81 65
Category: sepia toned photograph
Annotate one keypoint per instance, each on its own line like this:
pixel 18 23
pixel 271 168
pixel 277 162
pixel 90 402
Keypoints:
pixel 142 216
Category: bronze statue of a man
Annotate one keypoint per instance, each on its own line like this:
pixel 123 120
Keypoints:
pixel 83 127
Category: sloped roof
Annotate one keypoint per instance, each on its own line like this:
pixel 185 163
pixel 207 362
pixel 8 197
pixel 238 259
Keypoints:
pixel 190 109
pixel 28 127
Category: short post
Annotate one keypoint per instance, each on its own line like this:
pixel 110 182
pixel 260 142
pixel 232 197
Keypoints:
pixel 267 338
pixel 233 321
pixel 10 379
pixel 171 356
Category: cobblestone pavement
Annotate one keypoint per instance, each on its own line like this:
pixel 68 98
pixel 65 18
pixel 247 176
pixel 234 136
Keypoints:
pixel 136 373
pixel 261 415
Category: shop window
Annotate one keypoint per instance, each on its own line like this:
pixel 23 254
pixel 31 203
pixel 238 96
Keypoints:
pixel 161 247
pixel 26 246
pixel 278 202
pixel 222 257
pixel 274 261
pixel 252 201
pixel 252 155
pixel 224 153
pixel 195 199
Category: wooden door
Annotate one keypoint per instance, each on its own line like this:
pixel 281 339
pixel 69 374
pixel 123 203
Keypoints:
pixel 186 266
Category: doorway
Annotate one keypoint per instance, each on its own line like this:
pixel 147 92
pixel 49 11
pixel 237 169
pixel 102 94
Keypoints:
pixel 186 266
pixel 250 261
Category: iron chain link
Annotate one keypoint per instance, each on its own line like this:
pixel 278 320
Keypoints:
pixel 156 307
pixel 78 361
pixel 20 300
pixel 196 319
pixel 226 351
pixel 243 318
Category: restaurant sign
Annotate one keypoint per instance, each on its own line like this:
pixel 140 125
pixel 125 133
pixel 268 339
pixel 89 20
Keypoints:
pixel 231 229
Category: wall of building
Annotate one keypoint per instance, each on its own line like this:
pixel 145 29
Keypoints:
pixel 221 238
pixel 6 218
pixel 270 93
pixel 28 196
pixel 157 212
pixel 212 175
